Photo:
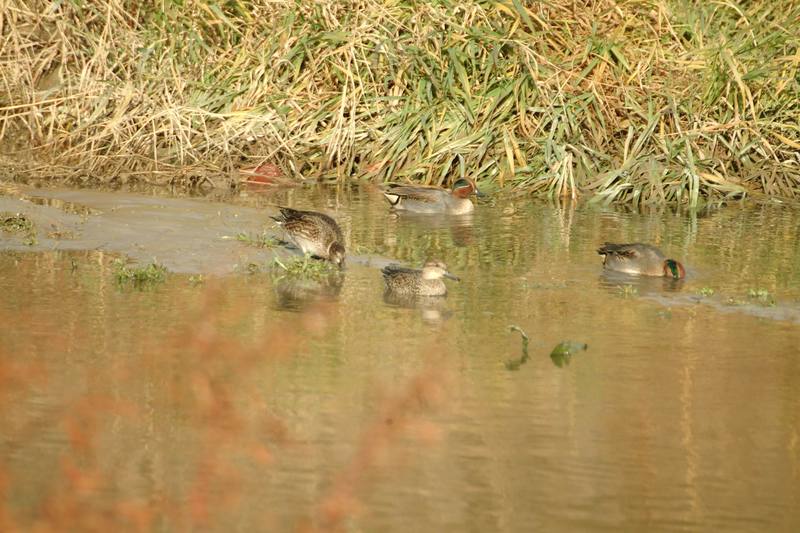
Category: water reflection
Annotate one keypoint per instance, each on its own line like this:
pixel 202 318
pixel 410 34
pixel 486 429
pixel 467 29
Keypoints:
pixel 432 308
pixel 194 407
pixel 617 282
pixel 460 226
pixel 297 293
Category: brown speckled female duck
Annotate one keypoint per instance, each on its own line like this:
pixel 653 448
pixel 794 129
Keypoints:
pixel 409 281
pixel 314 233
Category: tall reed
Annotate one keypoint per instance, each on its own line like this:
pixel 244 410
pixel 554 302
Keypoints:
pixel 643 102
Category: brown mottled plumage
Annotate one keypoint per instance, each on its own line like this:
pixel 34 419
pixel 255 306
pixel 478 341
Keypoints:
pixel 314 233
pixel 410 281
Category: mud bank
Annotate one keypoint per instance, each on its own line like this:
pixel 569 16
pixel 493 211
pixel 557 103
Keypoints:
pixel 185 235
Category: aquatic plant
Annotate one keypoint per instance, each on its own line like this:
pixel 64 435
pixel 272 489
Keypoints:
pixel 627 291
pixel 262 240
pixel 669 101
pixel 564 350
pixel 15 222
pixel 762 296
pixel 21 224
pixel 734 301
pixel 138 277
pixel 705 291
pixel 305 267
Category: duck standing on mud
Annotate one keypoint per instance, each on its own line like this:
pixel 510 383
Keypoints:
pixel 314 233
pixel 420 199
pixel 639 258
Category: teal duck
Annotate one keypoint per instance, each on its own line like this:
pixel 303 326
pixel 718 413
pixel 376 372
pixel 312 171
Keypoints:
pixel 410 281
pixel 638 258
pixel 419 199
pixel 314 233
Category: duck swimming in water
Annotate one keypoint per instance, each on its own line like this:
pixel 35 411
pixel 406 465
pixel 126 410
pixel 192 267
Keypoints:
pixel 639 258
pixel 410 281
pixel 419 199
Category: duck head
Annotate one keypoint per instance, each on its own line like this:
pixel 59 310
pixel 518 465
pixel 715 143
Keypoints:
pixel 464 187
pixel 437 270
pixel 674 269
pixel 336 254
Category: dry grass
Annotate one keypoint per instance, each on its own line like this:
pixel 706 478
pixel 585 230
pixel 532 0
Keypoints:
pixel 643 102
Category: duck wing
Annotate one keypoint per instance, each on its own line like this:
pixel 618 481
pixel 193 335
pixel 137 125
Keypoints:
pixel 397 270
pixel 328 223
pixel 630 250
pixel 425 195
pixel 633 257
pixel 311 224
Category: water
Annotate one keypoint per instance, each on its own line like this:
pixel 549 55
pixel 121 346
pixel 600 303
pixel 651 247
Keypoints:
pixel 243 403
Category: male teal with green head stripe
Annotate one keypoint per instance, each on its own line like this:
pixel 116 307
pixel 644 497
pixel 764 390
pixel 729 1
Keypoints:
pixel 639 258
pixel 420 199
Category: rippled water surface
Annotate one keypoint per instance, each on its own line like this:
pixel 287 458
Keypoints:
pixel 243 402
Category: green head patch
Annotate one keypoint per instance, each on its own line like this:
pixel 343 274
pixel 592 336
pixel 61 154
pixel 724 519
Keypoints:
pixel 674 269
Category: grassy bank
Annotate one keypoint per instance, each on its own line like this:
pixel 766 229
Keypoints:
pixel 662 101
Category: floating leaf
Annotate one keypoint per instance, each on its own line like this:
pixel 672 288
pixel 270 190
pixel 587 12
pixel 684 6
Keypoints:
pixel 564 351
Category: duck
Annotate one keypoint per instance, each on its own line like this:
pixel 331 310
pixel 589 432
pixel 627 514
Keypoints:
pixel 640 258
pixel 423 199
pixel 314 233
pixel 410 281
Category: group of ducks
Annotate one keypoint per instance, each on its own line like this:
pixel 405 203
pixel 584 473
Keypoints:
pixel 318 235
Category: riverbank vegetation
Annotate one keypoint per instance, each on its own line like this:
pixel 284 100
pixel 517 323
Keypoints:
pixel 642 102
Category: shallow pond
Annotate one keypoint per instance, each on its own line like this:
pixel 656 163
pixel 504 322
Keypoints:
pixel 245 402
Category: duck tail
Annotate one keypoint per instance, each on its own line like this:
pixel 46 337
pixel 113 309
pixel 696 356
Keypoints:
pixel 389 270
pixel 609 248
pixel 393 198
pixel 287 213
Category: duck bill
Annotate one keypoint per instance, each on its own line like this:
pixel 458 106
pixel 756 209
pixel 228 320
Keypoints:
pixel 451 276
pixel 479 194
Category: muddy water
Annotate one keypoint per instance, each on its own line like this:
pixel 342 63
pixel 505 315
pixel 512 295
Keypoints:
pixel 243 402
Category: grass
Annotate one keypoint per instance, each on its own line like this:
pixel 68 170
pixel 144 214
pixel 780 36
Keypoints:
pixel 138 277
pixel 761 296
pixel 259 241
pixel 650 102
pixel 757 296
pixel 627 291
pixel 15 223
pixel 305 267
pixel 20 224
pixel 705 291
